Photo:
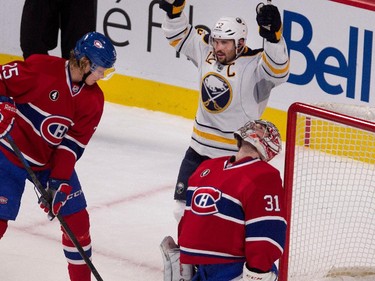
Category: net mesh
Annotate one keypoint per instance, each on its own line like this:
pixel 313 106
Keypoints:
pixel 332 225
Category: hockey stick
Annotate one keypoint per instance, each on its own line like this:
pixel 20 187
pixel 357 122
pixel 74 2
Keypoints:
pixel 47 197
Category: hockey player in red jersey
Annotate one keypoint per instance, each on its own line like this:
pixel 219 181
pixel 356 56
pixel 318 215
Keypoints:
pixel 51 107
pixel 234 226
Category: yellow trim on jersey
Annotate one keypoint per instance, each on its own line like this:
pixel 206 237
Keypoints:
pixel 178 9
pixel 174 43
pixel 214 137
pixel 279 33
pixel 273 69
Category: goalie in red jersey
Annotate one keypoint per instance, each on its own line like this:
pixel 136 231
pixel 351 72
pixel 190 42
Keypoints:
pixel 51 107
pixel 234 226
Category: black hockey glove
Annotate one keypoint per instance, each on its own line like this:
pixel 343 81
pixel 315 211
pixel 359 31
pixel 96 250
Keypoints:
pixel 269 21
pixel 173 8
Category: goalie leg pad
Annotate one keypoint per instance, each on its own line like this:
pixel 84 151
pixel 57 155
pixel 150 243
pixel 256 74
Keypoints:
pixel 173 269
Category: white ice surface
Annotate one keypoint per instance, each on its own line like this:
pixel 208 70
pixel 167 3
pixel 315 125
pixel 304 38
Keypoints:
pixel 128 173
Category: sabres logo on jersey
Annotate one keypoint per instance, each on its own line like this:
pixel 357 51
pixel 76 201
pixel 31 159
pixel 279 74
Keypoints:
pixel 204 199
pixel 216 93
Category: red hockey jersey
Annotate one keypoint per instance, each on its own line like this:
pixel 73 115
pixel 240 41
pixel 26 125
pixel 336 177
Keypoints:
pixel 234 212
pixel 56 118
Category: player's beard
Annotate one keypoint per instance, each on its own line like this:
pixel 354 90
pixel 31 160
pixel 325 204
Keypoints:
pixel 225 58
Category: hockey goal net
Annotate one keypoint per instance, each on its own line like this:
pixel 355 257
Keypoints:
pixel 330 184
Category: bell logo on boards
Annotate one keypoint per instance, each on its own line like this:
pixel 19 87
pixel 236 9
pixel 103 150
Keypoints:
pixel 331 62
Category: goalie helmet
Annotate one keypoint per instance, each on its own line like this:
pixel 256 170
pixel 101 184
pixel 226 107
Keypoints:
pixel 263 135
pixel 230 28
pixel 97 48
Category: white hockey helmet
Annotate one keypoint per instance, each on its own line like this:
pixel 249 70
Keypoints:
pixel 267 143
pixel 230 28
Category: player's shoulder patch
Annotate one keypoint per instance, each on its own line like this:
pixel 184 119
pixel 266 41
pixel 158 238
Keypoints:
pixel 203 33
pixel 206 38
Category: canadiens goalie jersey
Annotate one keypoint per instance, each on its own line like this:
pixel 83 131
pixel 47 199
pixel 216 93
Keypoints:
pixel 234 213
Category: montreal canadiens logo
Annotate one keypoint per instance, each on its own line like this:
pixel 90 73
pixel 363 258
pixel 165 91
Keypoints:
pixel 216 93
pixel 98 44
pixel 204 201
pixel 54 128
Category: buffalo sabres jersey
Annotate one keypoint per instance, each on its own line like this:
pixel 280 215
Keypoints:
pixel 55 117
pixel 232 94
pixel 234 213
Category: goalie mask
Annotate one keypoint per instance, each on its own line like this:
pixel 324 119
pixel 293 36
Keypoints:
pixel 231 29
pixel 263 135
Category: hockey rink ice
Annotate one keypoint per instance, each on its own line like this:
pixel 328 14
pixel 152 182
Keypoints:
pixel 128 173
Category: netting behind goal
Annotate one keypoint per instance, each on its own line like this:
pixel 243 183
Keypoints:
pixel 330 184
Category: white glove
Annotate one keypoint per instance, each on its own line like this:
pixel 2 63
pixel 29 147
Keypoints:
pixel 253 276
pixel 179 209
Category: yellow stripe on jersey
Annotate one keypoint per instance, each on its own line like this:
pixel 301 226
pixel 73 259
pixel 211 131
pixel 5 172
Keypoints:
pixel 174 42
pixel 178 9
pixel 273 69
pixel 214 137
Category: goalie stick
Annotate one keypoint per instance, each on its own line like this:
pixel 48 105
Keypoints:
pixel 47 199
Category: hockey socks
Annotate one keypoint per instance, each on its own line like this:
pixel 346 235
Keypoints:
pixel 80 225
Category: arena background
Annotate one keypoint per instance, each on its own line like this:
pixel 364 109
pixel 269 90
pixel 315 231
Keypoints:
pixel 330 45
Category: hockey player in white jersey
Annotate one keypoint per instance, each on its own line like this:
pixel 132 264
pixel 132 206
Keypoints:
pixel 235 81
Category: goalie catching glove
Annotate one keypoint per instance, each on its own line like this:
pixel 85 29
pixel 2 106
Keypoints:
pixel 59 191
pixel 269 21
pixel 173 8
pixel 8 112
pixel 173 269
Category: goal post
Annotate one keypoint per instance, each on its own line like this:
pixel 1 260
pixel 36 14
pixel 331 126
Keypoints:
pixel 329 180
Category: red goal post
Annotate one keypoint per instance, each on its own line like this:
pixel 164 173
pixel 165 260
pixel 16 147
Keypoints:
pixel 329 180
